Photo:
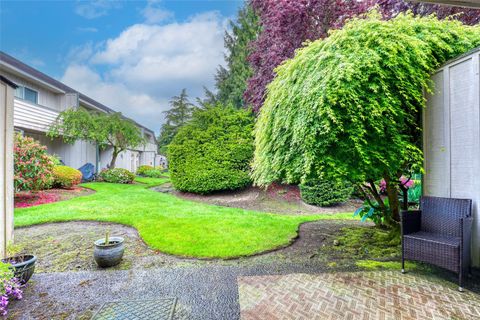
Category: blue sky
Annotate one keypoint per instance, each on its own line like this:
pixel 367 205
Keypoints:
pixel 130 55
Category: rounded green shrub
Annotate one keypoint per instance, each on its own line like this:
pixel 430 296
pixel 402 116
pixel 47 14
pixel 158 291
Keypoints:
pixel 117 175
pixel 143 170
pixel 325 193
pixel 66 177
pixel 32 165
pixel 155 173
pixel 213 151
pixel 149 171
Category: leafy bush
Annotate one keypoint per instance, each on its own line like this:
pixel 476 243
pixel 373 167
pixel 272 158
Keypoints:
pixel 325 193
pixel 371 210
pixel 213 151
pixel 32 165
pixel 149 171
pixel 155 173
pixel 56 160
pixel 66 177
pixel 117 175
pixel 10 288
pixel 142 170
pixel 349 105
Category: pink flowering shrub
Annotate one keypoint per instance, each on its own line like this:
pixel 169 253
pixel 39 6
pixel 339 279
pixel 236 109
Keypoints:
pixel 10 288
pixel 407 183
pixel 33 167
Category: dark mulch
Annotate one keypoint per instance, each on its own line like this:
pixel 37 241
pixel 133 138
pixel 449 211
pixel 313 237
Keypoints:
pixel 281 199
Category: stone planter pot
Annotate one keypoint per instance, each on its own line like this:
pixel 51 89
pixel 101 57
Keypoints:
pixel 23 266
pixel 111 254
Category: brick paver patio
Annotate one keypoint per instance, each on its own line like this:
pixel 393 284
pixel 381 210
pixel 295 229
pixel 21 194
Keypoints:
pixel 360 295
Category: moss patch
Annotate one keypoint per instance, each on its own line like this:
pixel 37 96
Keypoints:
pixel 367 243
pixel 393 265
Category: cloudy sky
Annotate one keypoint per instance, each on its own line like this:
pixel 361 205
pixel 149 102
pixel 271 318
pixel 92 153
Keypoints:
pixel 129 55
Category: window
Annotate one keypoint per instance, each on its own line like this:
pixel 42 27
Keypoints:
pixel 19 92
pixel 26 94
pixel 30 95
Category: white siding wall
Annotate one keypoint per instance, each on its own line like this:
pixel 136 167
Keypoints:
pixel 73 155
pixel 147 158
pixel 46 97
pixel 28 116
pixel 6 166
pixel 128 159
pixel 452 137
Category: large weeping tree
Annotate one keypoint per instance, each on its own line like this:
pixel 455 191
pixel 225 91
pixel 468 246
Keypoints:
pixel 103 129
pixel 348 107
pixel 287 24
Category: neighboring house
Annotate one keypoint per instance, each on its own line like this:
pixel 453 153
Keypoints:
pixel 452 136
pixel 38 101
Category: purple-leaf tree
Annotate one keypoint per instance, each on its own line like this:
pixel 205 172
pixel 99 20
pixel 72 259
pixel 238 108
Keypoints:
pixel 287 24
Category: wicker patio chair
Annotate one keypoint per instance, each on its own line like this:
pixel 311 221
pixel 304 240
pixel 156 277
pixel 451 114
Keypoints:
pixel 439 233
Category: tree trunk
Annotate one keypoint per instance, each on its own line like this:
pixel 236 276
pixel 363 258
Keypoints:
pixel 114 158
pixel 405 197
pixel 392 193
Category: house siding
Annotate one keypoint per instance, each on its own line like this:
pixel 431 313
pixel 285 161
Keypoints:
pixel 34 119
pixel 73 155
pixel 46 97
pixel 29 116
pixel 452 137
pixel 6 166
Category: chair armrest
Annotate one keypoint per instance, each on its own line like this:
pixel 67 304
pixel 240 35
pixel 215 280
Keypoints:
pixel 411 221
pixel 466 225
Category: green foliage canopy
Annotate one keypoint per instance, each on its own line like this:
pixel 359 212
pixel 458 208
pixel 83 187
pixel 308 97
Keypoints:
pixel 231 81
pixel 104 129
pixel 213 151
pixel 349 105
pixel 180 112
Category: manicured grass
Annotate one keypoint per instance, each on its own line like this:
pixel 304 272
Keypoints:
pixel 173 225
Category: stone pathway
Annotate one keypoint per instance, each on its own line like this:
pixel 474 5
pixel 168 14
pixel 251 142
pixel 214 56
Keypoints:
pixel 296 282
pixel 359 295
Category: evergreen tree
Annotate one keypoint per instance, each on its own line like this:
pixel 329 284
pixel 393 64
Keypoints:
pixel 179 113
pixel 231 81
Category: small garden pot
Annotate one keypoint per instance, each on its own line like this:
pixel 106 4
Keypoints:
pixel 23 266
pixel 109 255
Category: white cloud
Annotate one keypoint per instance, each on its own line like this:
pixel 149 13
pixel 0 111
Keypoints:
pixel 138 71
pixel 153 13
pixel 95 9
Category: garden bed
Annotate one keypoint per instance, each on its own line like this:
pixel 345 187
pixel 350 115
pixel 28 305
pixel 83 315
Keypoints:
pixel 280 199
pixel 30 199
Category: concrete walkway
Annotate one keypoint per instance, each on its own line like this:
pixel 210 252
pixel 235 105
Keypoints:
pixel 261 292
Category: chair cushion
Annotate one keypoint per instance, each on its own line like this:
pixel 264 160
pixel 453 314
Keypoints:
pixel 434 237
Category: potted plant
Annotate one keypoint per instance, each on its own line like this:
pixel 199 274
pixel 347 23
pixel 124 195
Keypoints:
pixel 23 266
pixel 108 251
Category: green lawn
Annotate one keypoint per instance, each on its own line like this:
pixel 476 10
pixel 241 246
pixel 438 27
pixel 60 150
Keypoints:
pixel 173 225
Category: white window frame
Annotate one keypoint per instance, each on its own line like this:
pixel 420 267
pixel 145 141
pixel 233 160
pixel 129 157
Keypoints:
pixel 22 95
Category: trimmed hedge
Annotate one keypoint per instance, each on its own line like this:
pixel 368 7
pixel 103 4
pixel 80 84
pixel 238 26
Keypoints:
pixel 149 171
pixel 325 193
pixel 213 151
pixel 117 175
pixel 66 177
pixel 142 170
